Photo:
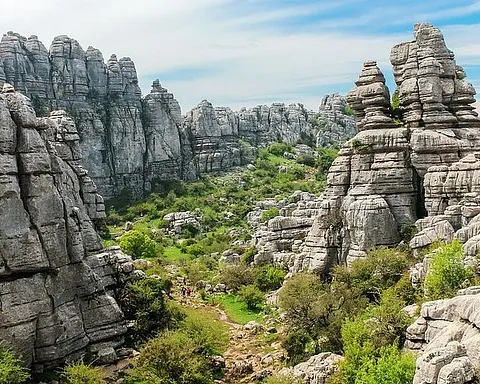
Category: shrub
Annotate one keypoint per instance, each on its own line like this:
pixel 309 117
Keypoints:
pixel 196 249
pixel 348 110
pixel 150 310
pixel 138 245
pixel 249 255
pixel 319 309
pixel 270 214
pixel 170 358
pixel 11 368
pixel 307 160
pixel 235 276
pixel 269 277
pixel 251 296
pixel 446 272
pixel 80 373
pixel 209 334
pixel 381 269
pixel 327 157
pixel 278 149
pixel 295 345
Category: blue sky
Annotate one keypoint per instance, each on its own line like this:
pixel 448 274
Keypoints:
pixel 249 52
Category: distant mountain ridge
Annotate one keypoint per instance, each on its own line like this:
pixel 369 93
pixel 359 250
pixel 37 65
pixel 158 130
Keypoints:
pixel 130 142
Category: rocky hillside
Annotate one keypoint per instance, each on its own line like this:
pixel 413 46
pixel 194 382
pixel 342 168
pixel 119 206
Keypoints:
pixel 56 283
pixel 398 170
pixel 130 142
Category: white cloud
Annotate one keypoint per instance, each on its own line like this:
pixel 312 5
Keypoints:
pixel 252 64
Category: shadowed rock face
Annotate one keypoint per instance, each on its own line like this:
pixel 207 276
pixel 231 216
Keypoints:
pixel 130 143
pixel 376 185
pixel 53 305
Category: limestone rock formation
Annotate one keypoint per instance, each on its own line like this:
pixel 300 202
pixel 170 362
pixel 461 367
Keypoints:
pixel 53 304
pixel 131 143
pixel 394 172
pixel 317 370
pixel 447 334
pixel 279 240
pixel 335 122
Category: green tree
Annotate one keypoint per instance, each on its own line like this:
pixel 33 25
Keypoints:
pixel 138 245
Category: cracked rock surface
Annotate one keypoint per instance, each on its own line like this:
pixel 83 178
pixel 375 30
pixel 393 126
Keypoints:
pixel 53 305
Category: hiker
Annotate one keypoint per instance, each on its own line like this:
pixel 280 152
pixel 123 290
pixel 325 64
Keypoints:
pixel 183 290
pixel 189 291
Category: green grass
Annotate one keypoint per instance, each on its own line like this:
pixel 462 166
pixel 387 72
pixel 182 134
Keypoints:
pixel 174 255
pixel 237 311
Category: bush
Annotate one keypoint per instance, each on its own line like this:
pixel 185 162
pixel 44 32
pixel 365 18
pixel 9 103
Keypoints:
pixel 235 276
pixel 296 346
pixel 149 309
pixel 308 160
pixel 170 358
pixel 446 272
pixel 209 334
pixel 249 255
pixel 319 309
pixel 388 366
pixel 80 373
pixel 269 277
pixel 380 270
pixel 270 214
pixel 278 149
pixel 327 157
pixel 251 296
pixel 138 245
pixel 11 368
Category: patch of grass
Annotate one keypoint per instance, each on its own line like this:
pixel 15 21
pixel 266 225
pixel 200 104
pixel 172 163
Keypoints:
pixel 236 310
pixel 174 255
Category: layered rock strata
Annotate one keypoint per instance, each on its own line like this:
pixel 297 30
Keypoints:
pixel 447 335
pixel 131 143
pixel 53 306
pixel 279 240
pixel 394 171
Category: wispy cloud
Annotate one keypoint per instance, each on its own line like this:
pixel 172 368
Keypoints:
pixel 253 51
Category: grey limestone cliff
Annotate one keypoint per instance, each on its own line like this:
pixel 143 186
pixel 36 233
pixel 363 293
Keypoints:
pixel 395 171
pixel 53 306
pixel 129 142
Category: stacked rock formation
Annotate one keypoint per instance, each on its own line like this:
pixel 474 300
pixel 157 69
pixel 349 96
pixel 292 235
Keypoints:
pixel 447 335
pixel 52 304
pixel 395 172
pixel 130 143
pixel 278 241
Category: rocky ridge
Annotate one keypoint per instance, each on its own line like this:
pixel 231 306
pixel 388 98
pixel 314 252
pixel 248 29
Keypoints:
pixel 129 142
pixel 57 285
pixel 394 171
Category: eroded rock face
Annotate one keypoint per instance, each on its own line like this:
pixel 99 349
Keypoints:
pixel 447 334
pixel 317 370
pixel 130 143
pixel 394 172
pixel 53 305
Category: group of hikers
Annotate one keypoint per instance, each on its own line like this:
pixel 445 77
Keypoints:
pixel 186 290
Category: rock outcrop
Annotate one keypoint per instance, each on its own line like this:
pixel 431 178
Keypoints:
pixel 316 370
pixel 397 170
pixel 447 333
pixel 53 303
pixel 131 143
pixel 279 240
